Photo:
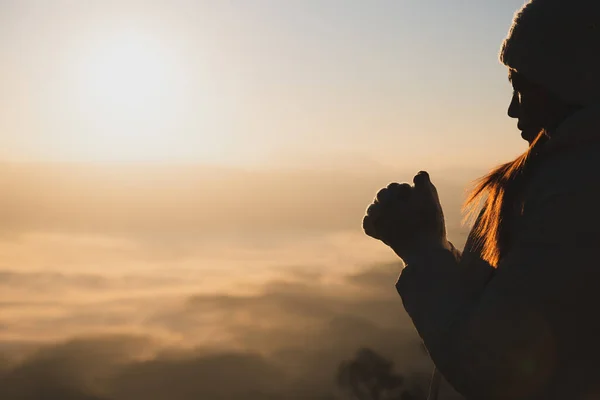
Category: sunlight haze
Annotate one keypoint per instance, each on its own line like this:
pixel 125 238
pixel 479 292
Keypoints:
pixel 184 182
pixel 255 83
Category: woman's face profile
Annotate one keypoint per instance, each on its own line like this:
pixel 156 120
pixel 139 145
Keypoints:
pixel 529 106
pixel 535 108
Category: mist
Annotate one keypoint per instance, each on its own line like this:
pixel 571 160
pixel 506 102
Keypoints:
pixel 156 282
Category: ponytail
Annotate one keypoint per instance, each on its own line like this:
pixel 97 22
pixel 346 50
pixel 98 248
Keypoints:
pixel 502 189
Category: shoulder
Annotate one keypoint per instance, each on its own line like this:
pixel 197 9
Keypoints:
pixel 562 198
pixel 572 170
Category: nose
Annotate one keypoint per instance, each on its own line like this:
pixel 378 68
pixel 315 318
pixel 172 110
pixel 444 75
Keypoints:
pixel 513 109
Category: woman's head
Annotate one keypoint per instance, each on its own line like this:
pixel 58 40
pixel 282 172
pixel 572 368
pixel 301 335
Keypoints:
pixel 555 44
pixel 553 55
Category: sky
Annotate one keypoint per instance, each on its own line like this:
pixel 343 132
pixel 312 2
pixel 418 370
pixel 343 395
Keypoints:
pixel 183 186
pixel 256 83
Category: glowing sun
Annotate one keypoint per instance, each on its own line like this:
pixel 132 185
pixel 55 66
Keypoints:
pixel 130 89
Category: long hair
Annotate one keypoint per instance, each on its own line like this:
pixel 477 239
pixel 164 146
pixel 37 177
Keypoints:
pixel 500 191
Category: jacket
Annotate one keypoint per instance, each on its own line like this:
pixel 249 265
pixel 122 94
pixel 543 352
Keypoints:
pixel 530 328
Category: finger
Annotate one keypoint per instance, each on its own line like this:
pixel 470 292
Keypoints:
pixel 423 183
pixel 369 227
pixel 400 191
pixel 374 209
pixel 426 192
pixel 397 191
pixel 384 195
pixel 424 187
pixel 422 180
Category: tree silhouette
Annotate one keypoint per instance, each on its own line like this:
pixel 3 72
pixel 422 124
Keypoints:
pixel 369 376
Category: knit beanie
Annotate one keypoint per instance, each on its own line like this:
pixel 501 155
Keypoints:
pixel 556 44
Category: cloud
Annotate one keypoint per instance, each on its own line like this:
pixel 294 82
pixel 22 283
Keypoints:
pixel 285 341
pixel 214 284
pixel 100 369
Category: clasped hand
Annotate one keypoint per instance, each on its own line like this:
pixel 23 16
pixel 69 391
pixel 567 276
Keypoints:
pixel 409 219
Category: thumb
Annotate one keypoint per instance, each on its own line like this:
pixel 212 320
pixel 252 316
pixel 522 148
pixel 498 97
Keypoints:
pixel 424 189
pixel 422 182
pixel 429 203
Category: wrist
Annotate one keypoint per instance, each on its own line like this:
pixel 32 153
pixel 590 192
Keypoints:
pixel 422 248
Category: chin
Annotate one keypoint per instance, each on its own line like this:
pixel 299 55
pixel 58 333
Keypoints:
pixel 530 134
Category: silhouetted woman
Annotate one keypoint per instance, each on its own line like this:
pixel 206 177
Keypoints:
pixel 516 315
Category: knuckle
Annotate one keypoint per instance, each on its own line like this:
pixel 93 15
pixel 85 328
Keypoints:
pixel 372 209
pixel 383 194
pixel 404 189
pixel 398 188
pixel 366 225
